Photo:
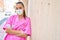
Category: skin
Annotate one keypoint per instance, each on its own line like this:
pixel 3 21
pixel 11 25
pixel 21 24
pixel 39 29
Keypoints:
pixel 16 32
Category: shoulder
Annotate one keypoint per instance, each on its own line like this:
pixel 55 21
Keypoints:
pixel 28 19
pixel 12 16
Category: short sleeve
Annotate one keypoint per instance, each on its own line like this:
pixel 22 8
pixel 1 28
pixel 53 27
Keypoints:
pixel 28 28
pixel 8 23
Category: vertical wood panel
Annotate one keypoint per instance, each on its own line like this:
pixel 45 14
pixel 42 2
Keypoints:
pixel 45 19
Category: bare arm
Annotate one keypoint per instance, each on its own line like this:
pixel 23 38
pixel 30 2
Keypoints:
pixel 16 32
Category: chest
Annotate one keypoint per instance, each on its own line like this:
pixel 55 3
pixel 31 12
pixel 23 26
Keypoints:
pixel 18 24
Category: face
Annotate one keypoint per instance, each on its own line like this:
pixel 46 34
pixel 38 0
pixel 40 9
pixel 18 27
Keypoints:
pixel 19 7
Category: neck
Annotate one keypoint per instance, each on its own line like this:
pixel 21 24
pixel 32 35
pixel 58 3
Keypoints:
pixel 20 16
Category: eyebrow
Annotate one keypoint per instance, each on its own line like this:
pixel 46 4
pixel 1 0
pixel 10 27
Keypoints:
pixel 19 7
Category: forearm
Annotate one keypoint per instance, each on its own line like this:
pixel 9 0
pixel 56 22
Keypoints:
pixel 21 35
pixel 16 32
pixel 10 31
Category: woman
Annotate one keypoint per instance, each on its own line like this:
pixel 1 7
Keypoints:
pixel 18 27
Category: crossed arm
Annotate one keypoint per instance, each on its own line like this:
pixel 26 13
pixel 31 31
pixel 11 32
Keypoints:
pixel 15 32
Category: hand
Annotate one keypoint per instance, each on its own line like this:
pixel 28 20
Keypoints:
pixel 8 30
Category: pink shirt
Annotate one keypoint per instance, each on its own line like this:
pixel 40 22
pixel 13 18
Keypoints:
pixel 15 24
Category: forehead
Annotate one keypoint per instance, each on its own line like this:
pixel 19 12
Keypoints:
pixel 19 5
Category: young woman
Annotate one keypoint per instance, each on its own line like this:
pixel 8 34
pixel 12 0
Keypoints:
pixel 18 27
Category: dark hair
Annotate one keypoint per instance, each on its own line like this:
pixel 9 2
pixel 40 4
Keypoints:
pixel 24 13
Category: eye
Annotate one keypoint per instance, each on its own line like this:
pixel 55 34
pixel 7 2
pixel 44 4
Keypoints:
pixel 16 8
pixel 20 7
